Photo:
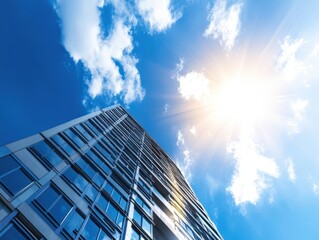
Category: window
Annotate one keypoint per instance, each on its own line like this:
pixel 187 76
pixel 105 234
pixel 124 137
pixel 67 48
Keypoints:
pixel 110 210
pixel 73 225
pixel 135 235
pixel 13 178
pixel 86 167
pixel 53 205
pixel 187 228
pixel 144 186
pixel 116 195
pixel 98 180
pixel 105 152
pixel 93 231
pixel 143 205
pixel 121 182
pixel 45 152
pixel 93 128
pixel 75 138
pixel 64 145
pixel 84 133
pixel 15 231
pixel 77 181
pixel 142 222
pixel 99 162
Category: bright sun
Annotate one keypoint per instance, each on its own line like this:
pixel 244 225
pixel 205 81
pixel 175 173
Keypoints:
pixel 240 102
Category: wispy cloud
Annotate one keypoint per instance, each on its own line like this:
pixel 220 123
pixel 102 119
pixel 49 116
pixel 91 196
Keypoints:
pixel 315 188
pixel 109 60
pixel 213 185
pixel 291 171
pixel 185 165
pixel 298 109
pixel 315 52
pixel 224 23
pixel 193 85
pixel 289 65
pixel 253 171
pixel 192 130
pixel 180 138
pixel 184 159
pixel 157 14
pixel 166 106
pixel 82 38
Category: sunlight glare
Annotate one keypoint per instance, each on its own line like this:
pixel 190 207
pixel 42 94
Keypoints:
pixel 240 102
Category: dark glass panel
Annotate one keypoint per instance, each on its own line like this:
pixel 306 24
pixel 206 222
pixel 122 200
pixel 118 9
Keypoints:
pixel 147 226
pixel 83 132
pixel 12 233
pixel 70 174
pixel 73 225
pixel 102 202
pixel 42 148
pixel 119 220
pixel 60 210
pixel 103 236
pixel 47 198
pixel 74 138
pixel 7 164
pixel 116 196
pixel 137 217
pixel 16 181
pixel 93 128
pixel 64 145
pixel 135 235
pixel 91 193
pixel 111 212
pixel 108 188
pixel 99 180
pixel 53 158
pixel 123 203
pixel 90 230
pixel 81 183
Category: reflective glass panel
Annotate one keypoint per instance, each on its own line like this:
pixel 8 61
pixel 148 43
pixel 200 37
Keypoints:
pixel 90 230
pixel 74 224
pixel 12 232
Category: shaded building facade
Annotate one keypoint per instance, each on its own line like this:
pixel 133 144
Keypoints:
pixel 100 176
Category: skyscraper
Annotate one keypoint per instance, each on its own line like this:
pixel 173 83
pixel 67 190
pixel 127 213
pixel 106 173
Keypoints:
pixel 100 176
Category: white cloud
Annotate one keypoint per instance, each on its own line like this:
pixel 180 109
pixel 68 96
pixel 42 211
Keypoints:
pixel 180 139
pixel 193 130
pixel 185 164
pixel 224 23
pixel 290 67
pixel 157 14
pixel 291 170
pixel 315 52
pixel 184 153
pixel 180 65
pixel 253 171
pixel 193 85
pixel 82 38
pixel 108 60
pixel 298 108
pixel 315 189
pixel 165 108
pixel 213 185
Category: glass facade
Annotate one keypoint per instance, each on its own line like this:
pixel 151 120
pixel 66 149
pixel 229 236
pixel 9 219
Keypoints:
pixel 100 176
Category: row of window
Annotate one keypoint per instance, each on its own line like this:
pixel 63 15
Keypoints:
pixel 61 214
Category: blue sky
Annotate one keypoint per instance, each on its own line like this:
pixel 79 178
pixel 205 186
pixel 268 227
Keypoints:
pixel 228 88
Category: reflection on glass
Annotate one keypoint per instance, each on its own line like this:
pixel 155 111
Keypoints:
pixel 74 224
pixel 12 177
